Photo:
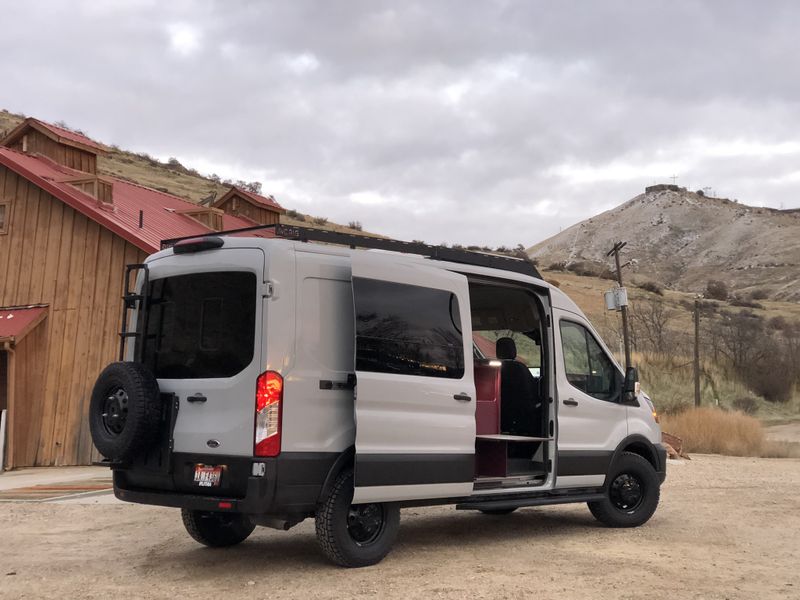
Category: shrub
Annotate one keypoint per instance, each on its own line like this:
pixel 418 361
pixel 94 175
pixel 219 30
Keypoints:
pixel 779 323
pixel 746 404
pixel 714 431
pixel 759 295
pixel 716 290
pixel 355 225
pixel 582 268
pixel 554 282
pixel 651 286
pixel 744 303
pixel 608 274
pixel 774 384
pixel 557 266
pixel 319 220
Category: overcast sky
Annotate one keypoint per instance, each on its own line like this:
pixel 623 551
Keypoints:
pixel 471 122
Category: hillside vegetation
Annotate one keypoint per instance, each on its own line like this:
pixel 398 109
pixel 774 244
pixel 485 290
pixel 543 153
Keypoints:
pixel 183 181
pixel 750 356
pixel 684 240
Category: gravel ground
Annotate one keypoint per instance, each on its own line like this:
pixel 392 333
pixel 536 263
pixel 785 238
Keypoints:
pixel 726 528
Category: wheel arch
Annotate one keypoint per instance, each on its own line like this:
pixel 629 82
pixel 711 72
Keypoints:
pixel 640 445
pixel 344 460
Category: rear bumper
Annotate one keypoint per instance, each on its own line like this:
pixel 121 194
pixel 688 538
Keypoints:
pixel 290 486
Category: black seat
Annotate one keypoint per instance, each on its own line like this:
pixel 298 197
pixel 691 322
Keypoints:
pixel 519 393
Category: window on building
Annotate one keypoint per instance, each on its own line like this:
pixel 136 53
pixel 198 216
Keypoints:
pixel 407 329
pixel 586 365
pixel 5 216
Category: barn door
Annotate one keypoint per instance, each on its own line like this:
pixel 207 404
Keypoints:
pixel 415 394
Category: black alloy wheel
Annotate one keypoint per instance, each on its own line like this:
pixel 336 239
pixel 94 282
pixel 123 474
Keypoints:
pixel 626 492
pixel 115 411
pixel 631 493
pixel 354 535
pixel 365 523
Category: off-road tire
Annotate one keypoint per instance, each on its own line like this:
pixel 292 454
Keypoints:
pixel 610 513
pixel 497 512
pixel 143 410
pixel 333 533
pixel 216 529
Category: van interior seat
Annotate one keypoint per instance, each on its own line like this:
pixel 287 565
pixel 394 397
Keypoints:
pixel 519 393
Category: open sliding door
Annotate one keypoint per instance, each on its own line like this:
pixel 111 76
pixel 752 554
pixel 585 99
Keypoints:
pixel 415 394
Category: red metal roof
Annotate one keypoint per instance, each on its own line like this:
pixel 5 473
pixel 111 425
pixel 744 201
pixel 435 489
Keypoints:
pixel 161 217
pixel 266 201
pixel 70 136
pixel 16 322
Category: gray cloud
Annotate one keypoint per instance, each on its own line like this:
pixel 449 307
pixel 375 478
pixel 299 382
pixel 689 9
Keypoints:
pixel 472 122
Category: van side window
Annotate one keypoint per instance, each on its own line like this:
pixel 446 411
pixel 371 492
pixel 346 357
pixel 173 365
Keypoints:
pixel 586 365
pixel 407 329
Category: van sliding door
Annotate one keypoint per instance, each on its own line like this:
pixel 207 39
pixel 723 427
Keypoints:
pixel 415 394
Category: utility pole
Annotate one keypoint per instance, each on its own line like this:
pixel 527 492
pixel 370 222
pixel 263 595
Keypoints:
pixel 697 352
pixel 624 308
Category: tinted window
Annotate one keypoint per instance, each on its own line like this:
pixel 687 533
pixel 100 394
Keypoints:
pixel 201 325
pixel 586 365
pixel 407 329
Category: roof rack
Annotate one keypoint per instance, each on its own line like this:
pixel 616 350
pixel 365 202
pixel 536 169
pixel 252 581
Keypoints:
pixel 516 264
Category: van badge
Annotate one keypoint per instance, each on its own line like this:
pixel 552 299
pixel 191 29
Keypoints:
pixel 212 443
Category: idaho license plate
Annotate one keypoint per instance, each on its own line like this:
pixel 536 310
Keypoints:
pixel 208 475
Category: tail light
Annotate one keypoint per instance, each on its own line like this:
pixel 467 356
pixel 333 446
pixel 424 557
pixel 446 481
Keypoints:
pixel 269 397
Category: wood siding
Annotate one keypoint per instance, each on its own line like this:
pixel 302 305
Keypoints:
pixel 238 206
pixel 35 142
pixel 54 255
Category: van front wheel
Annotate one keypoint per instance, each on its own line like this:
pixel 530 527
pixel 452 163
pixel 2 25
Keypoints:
pixel 355 535
pixel 631 493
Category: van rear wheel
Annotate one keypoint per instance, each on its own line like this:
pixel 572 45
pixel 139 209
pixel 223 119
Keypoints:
pixel 631 493
pixel 215 529
pixel 355 535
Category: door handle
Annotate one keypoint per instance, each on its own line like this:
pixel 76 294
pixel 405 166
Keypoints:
pixel 196 398
pixel 570 402
pixel 350 384
pixel 462 397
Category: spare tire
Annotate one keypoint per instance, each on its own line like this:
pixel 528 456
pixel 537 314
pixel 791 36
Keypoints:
pixel 125 410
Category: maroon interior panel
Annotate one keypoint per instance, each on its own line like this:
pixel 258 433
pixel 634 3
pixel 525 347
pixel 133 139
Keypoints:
pixel 490 458
pixel 487 391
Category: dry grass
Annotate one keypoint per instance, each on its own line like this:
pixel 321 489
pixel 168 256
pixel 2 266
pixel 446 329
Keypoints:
pixel 732 433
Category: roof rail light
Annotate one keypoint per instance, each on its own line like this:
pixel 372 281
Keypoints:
pixel 198 244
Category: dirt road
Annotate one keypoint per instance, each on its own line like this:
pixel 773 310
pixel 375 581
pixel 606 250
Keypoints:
pixel 727 528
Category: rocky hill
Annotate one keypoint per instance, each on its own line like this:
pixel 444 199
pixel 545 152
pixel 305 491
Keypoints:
pixel 682 240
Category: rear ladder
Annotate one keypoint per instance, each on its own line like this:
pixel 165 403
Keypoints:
pixel 132 300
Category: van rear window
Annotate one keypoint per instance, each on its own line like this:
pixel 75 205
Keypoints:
pixel 201 325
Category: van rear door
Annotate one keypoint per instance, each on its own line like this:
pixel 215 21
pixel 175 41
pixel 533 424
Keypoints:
pixel 203 342
pixel 415 392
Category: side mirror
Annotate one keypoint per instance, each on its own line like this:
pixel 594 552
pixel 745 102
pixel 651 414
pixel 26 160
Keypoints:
pixel 630 387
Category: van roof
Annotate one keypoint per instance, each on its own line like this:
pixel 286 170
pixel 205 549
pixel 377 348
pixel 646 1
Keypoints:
pixel 558 298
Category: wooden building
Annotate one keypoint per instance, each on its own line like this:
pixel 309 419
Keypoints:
pixel 66 234
pixel 243 203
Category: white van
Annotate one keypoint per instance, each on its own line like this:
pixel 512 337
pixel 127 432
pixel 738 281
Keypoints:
pixel 266 381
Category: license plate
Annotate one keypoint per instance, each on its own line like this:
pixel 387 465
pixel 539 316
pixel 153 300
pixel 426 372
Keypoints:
pixel 207 475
